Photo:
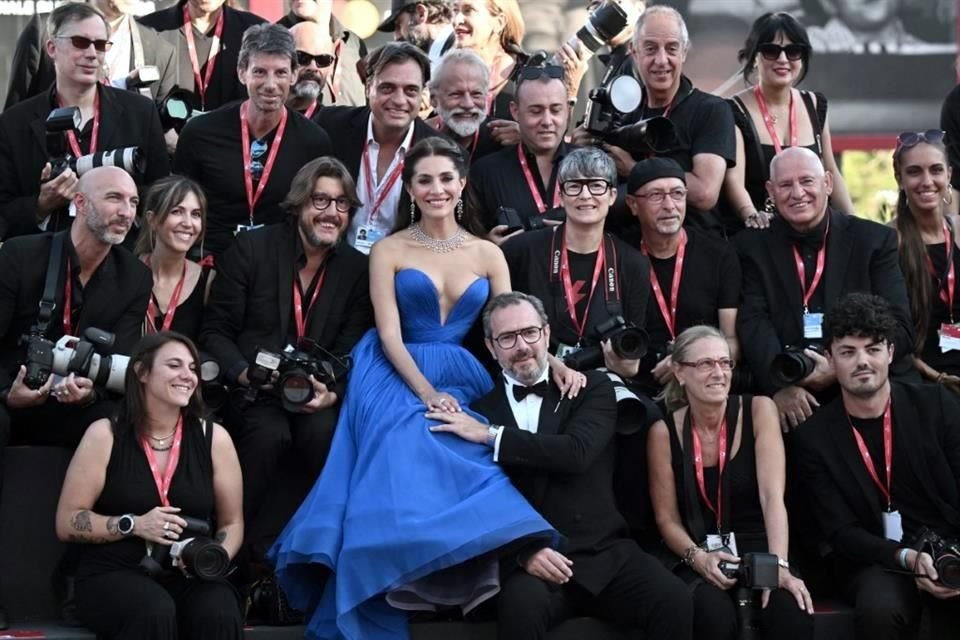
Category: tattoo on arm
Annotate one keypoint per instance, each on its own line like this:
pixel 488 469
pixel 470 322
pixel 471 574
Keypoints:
pixel 113 526
pixel 81 522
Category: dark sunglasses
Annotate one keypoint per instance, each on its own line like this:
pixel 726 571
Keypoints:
pixel 771 51
pixel 79 42
pixel 322 59
pixel 535 73
pixel 912 138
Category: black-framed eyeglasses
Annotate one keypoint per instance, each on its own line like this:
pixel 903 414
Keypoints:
pixel 322 59
pixel 706 365
pixel 257 149
pixel 909 139
pixel 82 43
pixel 553 71
pixel 595 187
pixel 771 51
pixel 321 201
pixel 508 340
pixel 656 197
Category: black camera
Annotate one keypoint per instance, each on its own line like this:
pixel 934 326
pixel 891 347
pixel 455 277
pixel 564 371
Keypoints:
pixel 200 555
pixel 627 340
pixel 58 123
pixel 293 369
pixel 602 26
pixel 610 104
pixel 793 365
pixel 212 388
pixel 176 109
pixel 754 571
pixel 945 554
pixel 81 356
pixel 509 217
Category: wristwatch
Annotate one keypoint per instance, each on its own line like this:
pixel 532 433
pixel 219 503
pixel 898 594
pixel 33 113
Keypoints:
pixel 783 564
pixel 125 524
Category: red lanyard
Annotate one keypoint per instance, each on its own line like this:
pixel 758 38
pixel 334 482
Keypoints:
pixel 946 294
pixel 298 315
pixel 385 185
pixel 669 313
pixel 721 463
pixel 163 481
pixel 202 83
pixel 69 328
pixel 817 274
pixel 72 136
pixel 887 454
pixel 271 156
pixel 768 121
pixel 153 310
pixel 541 207
pixel 579 326
pixel 310 110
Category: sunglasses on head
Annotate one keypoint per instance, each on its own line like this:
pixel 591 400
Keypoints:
pixel 82 43
pixel 771 51
pixel 322 59
pixel 912 138
pixel 546 71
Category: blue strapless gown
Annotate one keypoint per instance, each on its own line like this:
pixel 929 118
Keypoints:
pixel 396 502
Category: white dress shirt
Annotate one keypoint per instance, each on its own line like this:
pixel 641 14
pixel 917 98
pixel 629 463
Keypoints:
pixel 526 412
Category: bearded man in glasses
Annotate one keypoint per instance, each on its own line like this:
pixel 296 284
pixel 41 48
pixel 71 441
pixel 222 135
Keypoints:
pixel 35 186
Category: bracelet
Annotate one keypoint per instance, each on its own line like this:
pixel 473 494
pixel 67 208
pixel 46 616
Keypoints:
pixel 690 553
pixel 902 557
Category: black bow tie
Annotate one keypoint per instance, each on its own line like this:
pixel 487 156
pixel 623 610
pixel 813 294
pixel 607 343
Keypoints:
pixel 520 392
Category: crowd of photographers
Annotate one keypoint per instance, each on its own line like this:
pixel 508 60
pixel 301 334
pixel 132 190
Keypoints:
pixel 834 335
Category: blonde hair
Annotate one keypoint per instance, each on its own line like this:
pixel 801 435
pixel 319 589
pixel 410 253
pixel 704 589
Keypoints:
pixel 674 395
pixel 513 29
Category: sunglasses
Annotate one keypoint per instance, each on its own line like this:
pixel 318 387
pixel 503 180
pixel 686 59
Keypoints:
pixel 535 73
pixel 82 43
pixel 322 59
pixel 912 138
pixel 771 51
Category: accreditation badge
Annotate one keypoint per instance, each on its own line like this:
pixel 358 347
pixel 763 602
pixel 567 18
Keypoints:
pixel 949 337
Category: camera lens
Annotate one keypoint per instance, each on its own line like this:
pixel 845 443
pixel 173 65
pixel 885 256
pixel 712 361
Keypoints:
pixel 630 344
pixel 948 568
pixel 790 367
pixel 205 559
pixel 297 388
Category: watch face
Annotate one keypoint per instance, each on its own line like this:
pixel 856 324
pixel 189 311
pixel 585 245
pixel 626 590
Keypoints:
pixel 125 525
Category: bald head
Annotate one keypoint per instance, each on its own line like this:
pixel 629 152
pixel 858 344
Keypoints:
pixel 311 37
pixel 106 203
pixel 795 155
pixel 799 187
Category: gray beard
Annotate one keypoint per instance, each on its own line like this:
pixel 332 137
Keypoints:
pixel 309 89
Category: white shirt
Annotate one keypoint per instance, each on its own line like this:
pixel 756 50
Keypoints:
pixel 526 412
pixel 386 213
pixel 117 60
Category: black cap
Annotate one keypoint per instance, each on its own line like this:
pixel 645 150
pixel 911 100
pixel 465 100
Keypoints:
pixel 396 8
pixel 652 169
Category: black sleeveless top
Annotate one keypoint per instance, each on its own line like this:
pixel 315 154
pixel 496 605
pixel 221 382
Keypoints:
pixel 129 488
pixel 189 313
pixel 939 313
pixel 745 513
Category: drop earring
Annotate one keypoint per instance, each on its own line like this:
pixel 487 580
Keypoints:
pixel 413 212
pixel 459 213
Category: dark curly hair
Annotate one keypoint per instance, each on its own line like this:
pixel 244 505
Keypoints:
pixel 860 315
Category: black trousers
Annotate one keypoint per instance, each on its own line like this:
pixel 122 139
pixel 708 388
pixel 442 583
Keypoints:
pixel 643 595
pixel 129 604
pixel 56 425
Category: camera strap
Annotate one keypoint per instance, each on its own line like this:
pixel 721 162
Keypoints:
pixel 48 301
pixel 163 481
pixel 669 312
pixel 202 84
pixel 693 474
pixel 94 135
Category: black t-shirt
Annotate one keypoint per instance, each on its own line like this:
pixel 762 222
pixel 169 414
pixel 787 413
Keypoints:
pixel 210 151
pixel 939 313
pixel 528 257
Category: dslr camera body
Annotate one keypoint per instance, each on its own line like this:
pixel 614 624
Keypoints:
pixel 628 341
pixel 289 372
pixel 82 356
pixel 945 554
pixel 793 365
pixel 754 571
pixel 202 556
pixel 66 119
pixel 609 106
pixel 511 218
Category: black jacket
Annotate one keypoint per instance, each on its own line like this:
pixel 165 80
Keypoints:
pixel 126 120
pixel 861 256
pixel 114 299
pixel 847 504
pixel 252 297
pixel 565 470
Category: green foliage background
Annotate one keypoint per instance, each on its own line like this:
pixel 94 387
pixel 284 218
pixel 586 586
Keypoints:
pixel 870 181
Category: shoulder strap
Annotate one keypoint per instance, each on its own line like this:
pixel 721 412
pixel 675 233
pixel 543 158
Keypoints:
pixel 733 412
pixel 611 276
pixel 817 118
pixel 49 297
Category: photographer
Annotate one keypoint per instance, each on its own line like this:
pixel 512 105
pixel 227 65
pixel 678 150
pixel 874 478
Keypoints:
pixel 279 286
pixel 717 475
pixel 695 278
pixel 132 484
pixel 32 196
pixel 881 465
pixel 796 271
pixel 95 283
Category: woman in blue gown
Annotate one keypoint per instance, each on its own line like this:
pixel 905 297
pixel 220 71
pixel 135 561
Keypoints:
pixel 401 516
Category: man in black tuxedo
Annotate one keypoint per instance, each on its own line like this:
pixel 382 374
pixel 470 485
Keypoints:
pixel 372 141
pixel 31 198
pixel 797 270
pixel 559 453
pixel 881 463
pixel 277 287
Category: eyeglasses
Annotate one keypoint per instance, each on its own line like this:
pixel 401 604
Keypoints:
pixel 706 365
pixel 321 201
pixel 656 197
pixel 913 138
pixel 771 51
pixel 257 149
pixel 536 72
pixel 82 43
pixel 508 340
pixel 322 59
pixel 574 188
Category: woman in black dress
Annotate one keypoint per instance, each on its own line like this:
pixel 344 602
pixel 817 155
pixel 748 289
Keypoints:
pixel 175 219
pixel 720 493
pixel 129 486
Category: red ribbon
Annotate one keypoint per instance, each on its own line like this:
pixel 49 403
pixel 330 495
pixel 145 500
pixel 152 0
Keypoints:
pixel 721 463
pixel 164 481
pixel 385 185
pixel 94 135
pixel 271 156
pixel 153 310
pixel 946 294
pixel 887 454
pixel 541 207
pixel 298 315
pixel 768 120
pixel 818 273
pixel 669 313
pixel 579 326
pixel 202 83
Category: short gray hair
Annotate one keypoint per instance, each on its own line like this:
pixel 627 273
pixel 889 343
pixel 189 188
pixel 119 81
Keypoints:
pixel 459 56
pixel 659 9
pixel 511 299
pixel 587 162
pixel 269 39
pixel 72 12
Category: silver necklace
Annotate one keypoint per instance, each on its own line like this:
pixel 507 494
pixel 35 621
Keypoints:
pixel 446 245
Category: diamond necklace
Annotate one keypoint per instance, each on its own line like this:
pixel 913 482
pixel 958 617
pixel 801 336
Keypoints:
pixel 446 245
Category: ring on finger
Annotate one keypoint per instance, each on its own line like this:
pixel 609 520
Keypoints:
pixel 166 525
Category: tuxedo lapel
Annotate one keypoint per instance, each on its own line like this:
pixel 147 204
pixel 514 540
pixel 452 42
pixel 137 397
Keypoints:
pixel 838 257
pixel 550 408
